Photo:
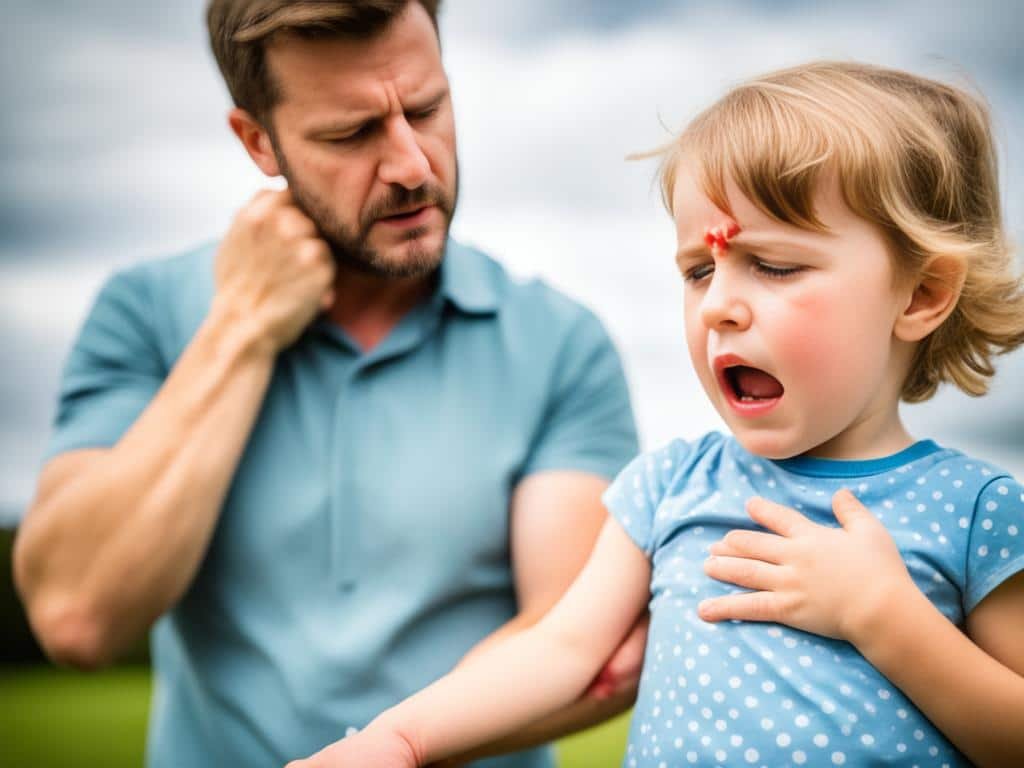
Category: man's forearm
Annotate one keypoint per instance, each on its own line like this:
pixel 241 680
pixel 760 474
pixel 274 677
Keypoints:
pixel 109 549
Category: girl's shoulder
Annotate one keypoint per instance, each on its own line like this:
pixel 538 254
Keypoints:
pixel 669 468
pixel 679 456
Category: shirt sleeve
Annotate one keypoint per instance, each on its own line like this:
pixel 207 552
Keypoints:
pixel 996 550
pixel 113 371
pixel 588 423
pixel 633 498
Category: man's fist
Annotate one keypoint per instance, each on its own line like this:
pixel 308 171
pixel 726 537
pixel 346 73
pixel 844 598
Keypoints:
pixel 273 270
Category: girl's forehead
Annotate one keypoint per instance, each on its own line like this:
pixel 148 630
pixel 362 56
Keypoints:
pixel 695 213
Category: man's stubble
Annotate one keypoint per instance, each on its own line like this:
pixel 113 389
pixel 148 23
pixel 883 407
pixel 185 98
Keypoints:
pixel 350 248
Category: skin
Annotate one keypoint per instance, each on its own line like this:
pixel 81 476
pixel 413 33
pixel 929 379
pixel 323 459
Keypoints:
pixel 838 334
pixel 811 577
pixel 815 310
pixel 807 575
pixel 364 130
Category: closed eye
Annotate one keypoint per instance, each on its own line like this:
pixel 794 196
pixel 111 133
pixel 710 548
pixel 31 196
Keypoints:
pixel 351 138
pixel 699 272
pixel 424 114
pixel 776 272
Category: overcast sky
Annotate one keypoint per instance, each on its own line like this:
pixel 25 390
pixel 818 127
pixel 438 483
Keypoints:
pixel 115 149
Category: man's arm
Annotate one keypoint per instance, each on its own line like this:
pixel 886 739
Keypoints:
pixel 555 519
pixel 115 536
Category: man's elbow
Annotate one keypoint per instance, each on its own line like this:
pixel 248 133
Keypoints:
pixel 68 630
pixel 71 635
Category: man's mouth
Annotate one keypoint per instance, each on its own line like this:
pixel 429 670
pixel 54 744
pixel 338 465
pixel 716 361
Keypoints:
pixel 407 216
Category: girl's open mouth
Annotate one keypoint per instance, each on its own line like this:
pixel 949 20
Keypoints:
pixel 749 390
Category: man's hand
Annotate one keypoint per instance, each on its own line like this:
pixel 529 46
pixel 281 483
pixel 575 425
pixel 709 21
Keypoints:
pixel 273 270
pixel 622 672
pixel 371 748
pixel 836 582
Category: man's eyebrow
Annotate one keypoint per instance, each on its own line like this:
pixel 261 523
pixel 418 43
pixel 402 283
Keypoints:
pixel 431 99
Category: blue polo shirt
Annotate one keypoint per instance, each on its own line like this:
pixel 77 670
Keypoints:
pixel 363 545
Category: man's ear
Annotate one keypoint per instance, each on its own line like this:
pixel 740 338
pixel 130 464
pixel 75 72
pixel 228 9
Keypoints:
pixel 255 139
pixel 935 293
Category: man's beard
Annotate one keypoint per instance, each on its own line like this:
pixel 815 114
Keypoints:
pixel 350 248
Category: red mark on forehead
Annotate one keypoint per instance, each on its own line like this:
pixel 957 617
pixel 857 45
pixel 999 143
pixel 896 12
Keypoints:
pixel 718 237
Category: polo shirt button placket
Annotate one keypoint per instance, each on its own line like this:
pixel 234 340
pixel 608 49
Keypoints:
pixel 345 513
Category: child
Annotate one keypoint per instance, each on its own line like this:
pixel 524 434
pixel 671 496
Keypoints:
pixel 841 249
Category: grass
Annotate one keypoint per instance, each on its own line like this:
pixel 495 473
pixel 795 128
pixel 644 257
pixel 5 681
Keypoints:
pixel 53 718
pixel 57 719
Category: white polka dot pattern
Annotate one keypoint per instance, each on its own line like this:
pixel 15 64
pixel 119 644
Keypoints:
pixel 740 693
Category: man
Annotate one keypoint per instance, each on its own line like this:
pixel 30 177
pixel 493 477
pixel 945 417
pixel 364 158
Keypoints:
pixel 331 453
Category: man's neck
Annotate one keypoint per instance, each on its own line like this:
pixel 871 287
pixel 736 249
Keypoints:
pixel 367 306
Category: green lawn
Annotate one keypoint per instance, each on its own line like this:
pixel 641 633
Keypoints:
pixel 56 719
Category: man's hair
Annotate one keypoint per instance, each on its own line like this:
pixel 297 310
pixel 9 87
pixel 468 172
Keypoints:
pixel 913 156
pixel 241 29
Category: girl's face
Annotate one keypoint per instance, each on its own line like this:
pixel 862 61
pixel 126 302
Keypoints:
pixel 791 331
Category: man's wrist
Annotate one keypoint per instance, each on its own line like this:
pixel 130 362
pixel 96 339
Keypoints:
pixel 237 333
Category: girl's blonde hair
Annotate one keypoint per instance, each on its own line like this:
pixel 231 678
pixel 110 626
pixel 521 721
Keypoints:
pixel 913 156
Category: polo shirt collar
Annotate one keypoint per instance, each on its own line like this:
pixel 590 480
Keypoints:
pixel 467 281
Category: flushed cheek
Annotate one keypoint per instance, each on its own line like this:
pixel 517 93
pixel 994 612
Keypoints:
pixel 812 347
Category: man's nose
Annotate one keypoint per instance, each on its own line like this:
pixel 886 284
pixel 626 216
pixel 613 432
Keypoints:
pixel 403 161
pixel 723 305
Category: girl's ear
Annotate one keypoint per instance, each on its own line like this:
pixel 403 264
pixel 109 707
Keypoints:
pixel 255 139
pixel 935 293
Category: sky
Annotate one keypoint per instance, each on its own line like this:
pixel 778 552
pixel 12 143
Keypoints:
pixel 115 149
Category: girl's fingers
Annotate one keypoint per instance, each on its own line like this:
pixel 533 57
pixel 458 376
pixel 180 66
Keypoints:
pixel 743 572
pixel 749 606
pixel 754 544
pixel 783 520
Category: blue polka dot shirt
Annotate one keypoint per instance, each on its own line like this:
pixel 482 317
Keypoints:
pixel 760 694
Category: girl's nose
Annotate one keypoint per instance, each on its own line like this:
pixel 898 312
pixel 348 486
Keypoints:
pixel 723 305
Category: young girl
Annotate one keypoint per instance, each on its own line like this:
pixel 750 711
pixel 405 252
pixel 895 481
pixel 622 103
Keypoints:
pixel 841 249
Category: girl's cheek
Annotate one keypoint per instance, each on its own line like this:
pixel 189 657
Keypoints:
pixel 809 333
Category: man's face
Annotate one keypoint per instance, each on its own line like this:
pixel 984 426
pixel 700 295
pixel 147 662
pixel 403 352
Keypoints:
pixel 365 136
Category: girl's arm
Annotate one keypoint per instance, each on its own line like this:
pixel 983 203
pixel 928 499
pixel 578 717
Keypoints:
pixel 970 686
pixel 611 693
pixel 511 685
pixel 812 577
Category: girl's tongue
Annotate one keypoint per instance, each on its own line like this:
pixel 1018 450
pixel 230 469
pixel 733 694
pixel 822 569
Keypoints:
pixel 754 383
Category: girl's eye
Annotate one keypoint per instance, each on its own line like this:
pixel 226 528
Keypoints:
pixel 698 273
pixel 775 272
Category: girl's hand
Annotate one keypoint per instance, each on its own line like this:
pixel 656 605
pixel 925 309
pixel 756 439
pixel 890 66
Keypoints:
pixel 370 748
pixel 837 582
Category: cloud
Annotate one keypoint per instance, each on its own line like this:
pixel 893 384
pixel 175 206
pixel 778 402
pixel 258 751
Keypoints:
pixel 115 149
